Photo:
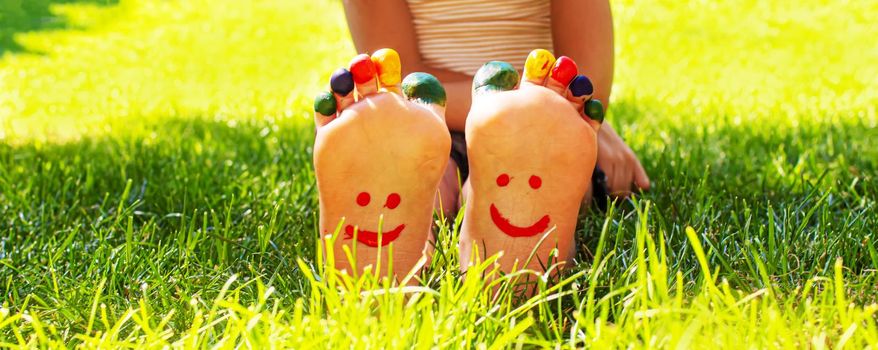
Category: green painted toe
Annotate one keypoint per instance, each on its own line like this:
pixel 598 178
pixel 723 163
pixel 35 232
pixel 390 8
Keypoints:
pixel 325 104
pixel 423 88
pixel 495 76
pixel 595 110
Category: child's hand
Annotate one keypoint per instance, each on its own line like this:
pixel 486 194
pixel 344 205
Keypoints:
pixel 623 169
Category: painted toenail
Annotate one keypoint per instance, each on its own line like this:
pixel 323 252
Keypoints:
pixel 581 86
pixel 387 66
pixel 495 76
pixel 424 88
pixel 341 82
pixel 594 109
pixel 564 70
pixel 325 104
pixel 538 64
pixel 362 69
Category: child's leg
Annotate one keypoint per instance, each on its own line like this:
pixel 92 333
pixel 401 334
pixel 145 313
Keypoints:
pixel 448 198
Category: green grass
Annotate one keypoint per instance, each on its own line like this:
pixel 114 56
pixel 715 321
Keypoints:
pixel 156 188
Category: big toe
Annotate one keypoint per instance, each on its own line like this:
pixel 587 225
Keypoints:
pixel 424 88
pixel 495 76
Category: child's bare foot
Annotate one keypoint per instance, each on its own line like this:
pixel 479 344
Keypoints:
pixel 378 160
pixel 531 152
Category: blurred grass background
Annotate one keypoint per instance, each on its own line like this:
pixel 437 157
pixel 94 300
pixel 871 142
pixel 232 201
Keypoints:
pixel 164 59
pixel 149 150
pixel 31 15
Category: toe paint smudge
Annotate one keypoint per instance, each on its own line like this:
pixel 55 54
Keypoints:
pixel 423 87
pixel 495 76
pixel 341 82
pixel 388 66
pixel 325 104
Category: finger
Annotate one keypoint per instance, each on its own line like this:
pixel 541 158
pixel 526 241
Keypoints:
pixel 620 183
pixel 641 179
pixel 537 66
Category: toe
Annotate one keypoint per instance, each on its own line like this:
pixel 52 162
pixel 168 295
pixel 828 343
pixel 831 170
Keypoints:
pixel 342 84
pixel 537 66
pixel 425 89
pixel 581 91
pixel 325 107
pixel 388 69
pixel 581 87
pixel 561 75
pixel 495 76
pixel 594 110
pixel 363 71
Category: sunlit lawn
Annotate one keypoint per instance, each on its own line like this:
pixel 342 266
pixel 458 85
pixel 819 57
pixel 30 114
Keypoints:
pixel 156 188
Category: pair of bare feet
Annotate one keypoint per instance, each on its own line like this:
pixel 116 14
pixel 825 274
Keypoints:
pixel 382 147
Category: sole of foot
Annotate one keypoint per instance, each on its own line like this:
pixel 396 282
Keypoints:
pixel 380 150
pixel 532 149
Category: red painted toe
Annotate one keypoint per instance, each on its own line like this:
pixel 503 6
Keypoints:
pixel 362 68
pixel 564 70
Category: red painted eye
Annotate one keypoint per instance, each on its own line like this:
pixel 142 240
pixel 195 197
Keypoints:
pixel 502 180
pixel 392 201
pixel 363 199
pixel 535 182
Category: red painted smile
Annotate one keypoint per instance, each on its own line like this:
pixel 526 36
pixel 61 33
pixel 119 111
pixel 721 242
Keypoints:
pixel 370 238
pixel 517 231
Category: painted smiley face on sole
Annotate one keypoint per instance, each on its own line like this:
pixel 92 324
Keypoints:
pixel 506 226
pixel 374 238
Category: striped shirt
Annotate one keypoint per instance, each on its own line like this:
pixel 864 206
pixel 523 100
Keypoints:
pixel 461 35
